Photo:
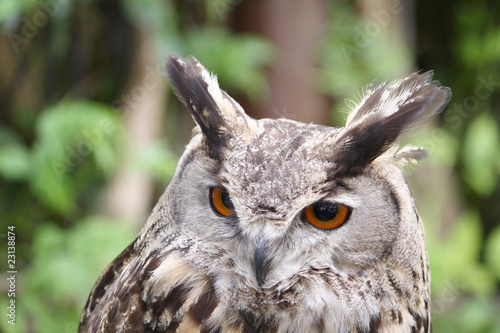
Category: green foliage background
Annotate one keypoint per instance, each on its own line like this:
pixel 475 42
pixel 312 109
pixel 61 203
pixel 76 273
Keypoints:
pixel 57 152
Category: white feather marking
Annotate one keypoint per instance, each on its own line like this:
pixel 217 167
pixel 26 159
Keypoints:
pixel 231 110
pixel 224 105
pixel 395 94
pixel 171 272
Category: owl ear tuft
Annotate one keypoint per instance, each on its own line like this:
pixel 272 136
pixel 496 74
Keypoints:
pixel 386 112
pixel 214 111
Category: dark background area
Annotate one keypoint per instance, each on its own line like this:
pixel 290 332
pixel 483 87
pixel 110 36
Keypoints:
pixel 90 131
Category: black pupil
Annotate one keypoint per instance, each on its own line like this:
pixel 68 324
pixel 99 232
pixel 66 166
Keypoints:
pixel 325 211
pixel 226 200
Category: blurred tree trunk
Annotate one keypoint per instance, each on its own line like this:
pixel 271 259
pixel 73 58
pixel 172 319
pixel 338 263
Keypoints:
pixel 296 27
pixel 129 194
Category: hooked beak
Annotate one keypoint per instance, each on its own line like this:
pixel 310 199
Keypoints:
pixel 261 262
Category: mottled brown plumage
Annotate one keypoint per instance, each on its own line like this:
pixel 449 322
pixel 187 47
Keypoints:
pixel 314 229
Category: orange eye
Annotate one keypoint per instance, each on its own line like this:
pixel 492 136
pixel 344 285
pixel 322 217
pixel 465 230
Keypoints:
pixel 221 202
pixel 327 215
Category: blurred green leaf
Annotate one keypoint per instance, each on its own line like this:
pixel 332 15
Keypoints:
pixel 217 10
pixel 10 9
pixel 237 60
pixel 480 39
pixel 158 16
pixel 478 316
pixel 157 160
pixel 65 259
pixel 492 252
pixel 68 135
pixel 14 162
pixel 480 151
pixel 14 156
pixel 455 260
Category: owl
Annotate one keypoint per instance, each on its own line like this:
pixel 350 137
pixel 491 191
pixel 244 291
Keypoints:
pixel 273 225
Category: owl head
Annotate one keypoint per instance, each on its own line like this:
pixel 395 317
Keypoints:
pixel 275 205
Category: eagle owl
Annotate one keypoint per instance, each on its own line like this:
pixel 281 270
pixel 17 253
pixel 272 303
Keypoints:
pixel 273 225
